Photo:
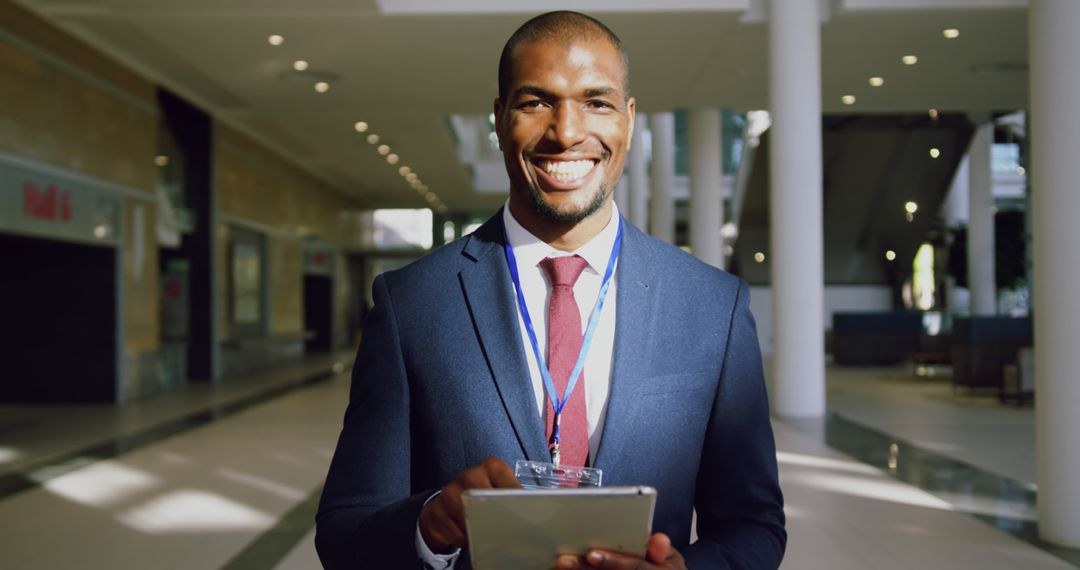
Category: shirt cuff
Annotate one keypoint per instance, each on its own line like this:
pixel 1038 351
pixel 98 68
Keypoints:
pixel 431 560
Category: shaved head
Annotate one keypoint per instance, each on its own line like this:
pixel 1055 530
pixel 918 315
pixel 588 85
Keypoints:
pixel 565 28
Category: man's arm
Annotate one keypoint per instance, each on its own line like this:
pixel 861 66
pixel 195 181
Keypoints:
pixel 738 501
pixel 367 516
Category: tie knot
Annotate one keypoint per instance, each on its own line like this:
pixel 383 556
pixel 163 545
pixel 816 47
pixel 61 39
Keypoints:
pixel 563 270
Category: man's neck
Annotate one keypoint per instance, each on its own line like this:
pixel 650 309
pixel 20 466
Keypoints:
pixel 563 236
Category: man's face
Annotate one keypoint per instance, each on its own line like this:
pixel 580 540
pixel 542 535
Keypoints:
pixel 565 127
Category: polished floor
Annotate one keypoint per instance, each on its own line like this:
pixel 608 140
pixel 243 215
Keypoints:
pixel 228 477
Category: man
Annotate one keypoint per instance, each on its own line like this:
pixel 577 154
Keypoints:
pixel 447 387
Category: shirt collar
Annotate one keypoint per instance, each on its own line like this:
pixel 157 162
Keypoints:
pixel 531 250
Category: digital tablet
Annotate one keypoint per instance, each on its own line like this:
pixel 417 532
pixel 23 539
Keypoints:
pixel 516 528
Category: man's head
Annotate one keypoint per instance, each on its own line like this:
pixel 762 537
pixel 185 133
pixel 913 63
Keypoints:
pixel 564 116
pixel 563 27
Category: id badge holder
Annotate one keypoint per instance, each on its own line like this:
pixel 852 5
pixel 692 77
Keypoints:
pixel 543 475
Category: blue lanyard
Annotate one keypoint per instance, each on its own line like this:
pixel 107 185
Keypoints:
pixel 558 403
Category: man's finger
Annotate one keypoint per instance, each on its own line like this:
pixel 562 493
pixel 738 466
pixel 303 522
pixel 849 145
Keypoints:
pixel 658 549
pixel 500 474
pixel 604 560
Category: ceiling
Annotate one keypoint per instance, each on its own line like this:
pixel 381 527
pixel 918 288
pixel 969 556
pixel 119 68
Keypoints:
pixel 404 66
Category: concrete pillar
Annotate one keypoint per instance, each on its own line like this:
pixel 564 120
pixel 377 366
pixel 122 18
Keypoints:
pixel 958 299
pixel 661 202
pixel 796 252
pixel 638 173
pixel 1055 136
pixel 957 203
pixel 706 185
pixel 622 195
pixel 981 281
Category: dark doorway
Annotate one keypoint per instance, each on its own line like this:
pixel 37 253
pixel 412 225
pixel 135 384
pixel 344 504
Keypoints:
pixel 58 310
pixel 318 292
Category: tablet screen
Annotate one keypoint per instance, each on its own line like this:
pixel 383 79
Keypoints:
pixel 515 528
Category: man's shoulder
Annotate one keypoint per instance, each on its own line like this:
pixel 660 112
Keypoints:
pixel 446 261
pixel 683 269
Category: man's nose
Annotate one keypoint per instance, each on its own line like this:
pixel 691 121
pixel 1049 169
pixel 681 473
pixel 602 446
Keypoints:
pixel 567 126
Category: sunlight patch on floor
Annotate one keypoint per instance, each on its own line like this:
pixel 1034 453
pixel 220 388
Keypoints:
pixel 193 511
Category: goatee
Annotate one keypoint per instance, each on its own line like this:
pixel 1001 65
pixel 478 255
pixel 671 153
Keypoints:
pixel 545 210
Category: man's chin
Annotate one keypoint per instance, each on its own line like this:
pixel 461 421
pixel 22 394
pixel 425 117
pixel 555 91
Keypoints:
pixel 571 212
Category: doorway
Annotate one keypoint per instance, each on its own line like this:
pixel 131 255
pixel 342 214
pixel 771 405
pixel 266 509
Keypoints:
pixel 318 321
pixel 58 304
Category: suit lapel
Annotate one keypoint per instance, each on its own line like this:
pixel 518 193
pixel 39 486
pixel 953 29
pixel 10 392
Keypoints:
pixel 635 318
pixel 490 299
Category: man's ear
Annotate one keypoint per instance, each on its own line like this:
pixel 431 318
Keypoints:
pixel 631 110
pixel 497 109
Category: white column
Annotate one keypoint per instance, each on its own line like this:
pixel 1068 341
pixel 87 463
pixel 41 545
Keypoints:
pixel 796 230
pixel 956 216
pixel 638 173
pixel 622 196
pixel 661 203
pixel 980 233
pixel 957 203
pixel 1055 136
pixel 706 185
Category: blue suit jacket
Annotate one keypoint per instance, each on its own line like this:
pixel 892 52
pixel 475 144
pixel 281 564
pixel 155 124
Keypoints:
pixel 441 383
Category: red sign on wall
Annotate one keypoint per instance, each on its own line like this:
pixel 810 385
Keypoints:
pixel 48 204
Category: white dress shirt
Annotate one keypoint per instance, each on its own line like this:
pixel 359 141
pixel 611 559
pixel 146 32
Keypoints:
pixel 595 386
pixel 530 251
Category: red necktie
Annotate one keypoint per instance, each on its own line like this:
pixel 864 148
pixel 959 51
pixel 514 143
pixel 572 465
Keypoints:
pixel 564 345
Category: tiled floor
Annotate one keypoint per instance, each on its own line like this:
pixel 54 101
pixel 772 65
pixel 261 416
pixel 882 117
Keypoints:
pixel 238 492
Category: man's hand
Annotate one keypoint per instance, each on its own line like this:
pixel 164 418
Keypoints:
pixel 442 521
pixel 659 555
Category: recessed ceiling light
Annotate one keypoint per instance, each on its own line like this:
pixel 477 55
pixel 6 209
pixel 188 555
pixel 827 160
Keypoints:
pixel 384 149
pixel 442 209
pixel 910 59
pixel 322 87
pixel 161 160
pixel 934 152
pixel 373 138
pixel 392 158
pixel 275 40
pixel 877 81
pixel 759 257
pixel 411 177
pixel 933 113
pixel 951 33
pixel 360 126
pixel 890 255
pixel 911 207
pixel 848 99
pixel 300 65
pixel 404 170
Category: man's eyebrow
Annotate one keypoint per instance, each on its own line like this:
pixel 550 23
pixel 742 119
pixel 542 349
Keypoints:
pixel 532 90
pixel 599 92
pixel 545 94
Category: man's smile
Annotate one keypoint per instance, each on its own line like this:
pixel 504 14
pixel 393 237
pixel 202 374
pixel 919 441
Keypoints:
pixel 564 174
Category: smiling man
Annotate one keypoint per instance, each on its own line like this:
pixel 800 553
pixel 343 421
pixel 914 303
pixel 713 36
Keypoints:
pixel 489 350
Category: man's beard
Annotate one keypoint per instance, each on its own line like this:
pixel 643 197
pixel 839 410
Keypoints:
pixel 546 210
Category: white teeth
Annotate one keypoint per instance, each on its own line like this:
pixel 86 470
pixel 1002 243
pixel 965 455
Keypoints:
pixel 565 170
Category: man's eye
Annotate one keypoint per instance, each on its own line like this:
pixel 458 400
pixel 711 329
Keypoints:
pixel 598 104
pixel 531 104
